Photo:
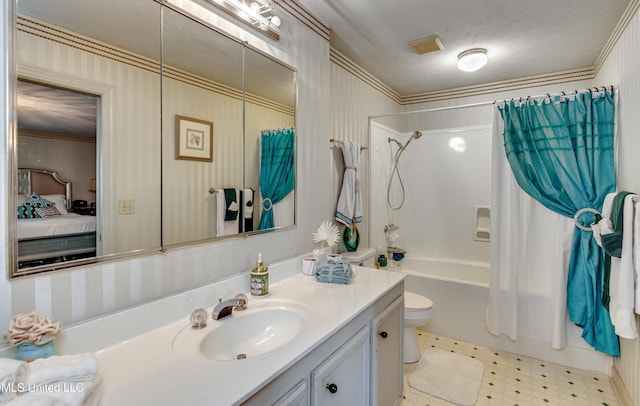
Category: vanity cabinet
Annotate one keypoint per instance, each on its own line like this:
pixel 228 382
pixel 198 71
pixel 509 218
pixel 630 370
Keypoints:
pixel 361 363
pixel 343 378
pixel 386 355
pixel 297 396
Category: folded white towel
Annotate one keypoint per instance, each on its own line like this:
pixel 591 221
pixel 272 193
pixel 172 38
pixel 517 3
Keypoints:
pixel 72 393
pixel 34 399
pixel 12 374
pixel 63 368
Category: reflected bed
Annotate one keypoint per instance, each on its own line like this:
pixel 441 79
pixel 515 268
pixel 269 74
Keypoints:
pixel 61 237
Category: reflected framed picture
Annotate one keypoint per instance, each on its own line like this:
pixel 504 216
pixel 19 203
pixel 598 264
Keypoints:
pixel 194 139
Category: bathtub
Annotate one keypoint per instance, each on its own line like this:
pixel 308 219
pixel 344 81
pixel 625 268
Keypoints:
pixel 459 291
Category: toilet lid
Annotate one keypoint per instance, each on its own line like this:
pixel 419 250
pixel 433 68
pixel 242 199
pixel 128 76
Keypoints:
pixel 415 301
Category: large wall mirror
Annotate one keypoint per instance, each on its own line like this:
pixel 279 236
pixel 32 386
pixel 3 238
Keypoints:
pixel 139 128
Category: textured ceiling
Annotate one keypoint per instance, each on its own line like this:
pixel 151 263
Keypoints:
pixel 523 38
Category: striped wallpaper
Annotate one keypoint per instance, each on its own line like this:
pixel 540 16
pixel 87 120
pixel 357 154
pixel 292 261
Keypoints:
pixel 621 67
pixel 82 293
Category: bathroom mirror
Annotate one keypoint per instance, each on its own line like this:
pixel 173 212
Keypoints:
pixel 269 118
pixel 202 131
pixel 148 189
pixel 87 47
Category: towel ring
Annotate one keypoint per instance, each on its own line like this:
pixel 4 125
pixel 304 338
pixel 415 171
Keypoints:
pixel 582 211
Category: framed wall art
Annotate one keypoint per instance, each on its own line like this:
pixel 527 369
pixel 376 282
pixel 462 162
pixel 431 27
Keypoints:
pixel 194 139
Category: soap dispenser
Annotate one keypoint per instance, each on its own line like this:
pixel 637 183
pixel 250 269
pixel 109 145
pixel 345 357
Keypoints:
pixel 260 279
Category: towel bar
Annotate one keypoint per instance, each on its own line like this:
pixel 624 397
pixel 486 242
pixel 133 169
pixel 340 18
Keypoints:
pixel 334 141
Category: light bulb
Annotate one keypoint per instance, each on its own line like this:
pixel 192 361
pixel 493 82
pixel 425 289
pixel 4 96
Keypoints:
pixel 275 20
pixel 255 6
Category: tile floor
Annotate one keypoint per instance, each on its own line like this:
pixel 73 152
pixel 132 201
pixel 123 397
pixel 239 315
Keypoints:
pixel 511 379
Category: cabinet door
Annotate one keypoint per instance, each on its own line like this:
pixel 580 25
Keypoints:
pixel 386 355
pixel 298 396
pixel 343 378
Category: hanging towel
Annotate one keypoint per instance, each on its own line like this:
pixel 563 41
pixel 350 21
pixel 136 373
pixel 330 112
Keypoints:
pixel 231 204
pixel 247 208
pixel 224 227
pixel 349 208
pixel 624 272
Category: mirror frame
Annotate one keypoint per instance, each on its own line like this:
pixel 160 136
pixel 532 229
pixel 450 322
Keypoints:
pixel 11 142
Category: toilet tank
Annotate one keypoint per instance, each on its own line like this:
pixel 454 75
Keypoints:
pixel 362 256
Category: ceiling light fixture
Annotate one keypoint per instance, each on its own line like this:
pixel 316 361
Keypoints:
pixel 257 13
pixel 472 59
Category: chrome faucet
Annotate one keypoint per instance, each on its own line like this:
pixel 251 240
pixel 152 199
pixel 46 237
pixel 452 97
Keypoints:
pixel 225 308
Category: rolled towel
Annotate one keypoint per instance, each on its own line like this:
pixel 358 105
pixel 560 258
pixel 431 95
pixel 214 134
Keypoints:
pixel 334 272
pixel 13 373
pixel 63 368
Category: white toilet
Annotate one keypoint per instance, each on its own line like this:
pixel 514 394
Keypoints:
pixel 417 308
pixel 417 312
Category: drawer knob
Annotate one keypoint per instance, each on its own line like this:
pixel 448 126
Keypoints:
pixel 332 387
pixel 384 334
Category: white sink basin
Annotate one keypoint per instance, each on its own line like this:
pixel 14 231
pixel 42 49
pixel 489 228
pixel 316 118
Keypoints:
pixel 246 334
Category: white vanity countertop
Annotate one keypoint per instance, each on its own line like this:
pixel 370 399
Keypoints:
pixel 144 369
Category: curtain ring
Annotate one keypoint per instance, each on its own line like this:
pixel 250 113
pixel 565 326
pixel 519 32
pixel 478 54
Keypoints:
pixel 580 213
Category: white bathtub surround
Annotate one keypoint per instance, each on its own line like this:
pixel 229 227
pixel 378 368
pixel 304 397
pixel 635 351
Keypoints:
pixel 442 185
pixel 139 365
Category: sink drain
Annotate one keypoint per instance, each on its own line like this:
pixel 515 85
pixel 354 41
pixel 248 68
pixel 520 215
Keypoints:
pixel 241 356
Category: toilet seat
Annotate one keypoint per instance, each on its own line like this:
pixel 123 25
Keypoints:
pixel 417 306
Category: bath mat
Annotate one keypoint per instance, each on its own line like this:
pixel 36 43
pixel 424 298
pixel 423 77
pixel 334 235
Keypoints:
pixel 449 376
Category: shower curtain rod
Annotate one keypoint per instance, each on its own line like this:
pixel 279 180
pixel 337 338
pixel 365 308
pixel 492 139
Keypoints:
pixel 463 106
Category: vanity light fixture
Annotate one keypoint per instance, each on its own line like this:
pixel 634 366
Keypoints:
pixel 256 13
pixel 472 59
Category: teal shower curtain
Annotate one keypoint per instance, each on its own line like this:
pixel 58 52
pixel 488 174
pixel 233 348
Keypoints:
pixel 560 150
pixel 277 170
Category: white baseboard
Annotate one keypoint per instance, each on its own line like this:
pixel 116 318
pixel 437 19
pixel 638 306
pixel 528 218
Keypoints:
pixel 621 392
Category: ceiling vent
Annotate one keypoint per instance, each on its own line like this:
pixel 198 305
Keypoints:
pixel 425 45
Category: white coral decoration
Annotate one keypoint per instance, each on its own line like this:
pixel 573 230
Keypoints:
pixel 327 233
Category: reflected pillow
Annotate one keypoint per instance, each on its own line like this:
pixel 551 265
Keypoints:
pixel 27 212
pixel 47 211
pixel 59 202
pixel 35 200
